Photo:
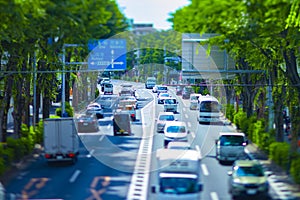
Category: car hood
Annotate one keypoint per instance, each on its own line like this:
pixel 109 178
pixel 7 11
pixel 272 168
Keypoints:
pixel 175 135
pixel 250 180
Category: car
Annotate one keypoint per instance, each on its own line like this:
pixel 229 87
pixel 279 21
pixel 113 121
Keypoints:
pixel 87 123
pixel 179 89
pixel 163 117
pixel 108 88
pixel 127 100
pixel 248 178
pixel 104 81
pixel 107 102
pixel 179 145
pixel 162 89
pixel 121 123
pixel 175 131
pixel 130 110
pixel 194 101
pixel 170 104
pixel 96 109
pixel 161 97
pixel 154 89
pixel 187 91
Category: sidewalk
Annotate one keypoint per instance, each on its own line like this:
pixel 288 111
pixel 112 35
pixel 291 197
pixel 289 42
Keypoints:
pixel 282 185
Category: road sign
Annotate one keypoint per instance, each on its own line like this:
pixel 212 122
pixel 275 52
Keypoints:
pixel 107 54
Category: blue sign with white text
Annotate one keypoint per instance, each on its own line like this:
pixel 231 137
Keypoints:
pixel 107 54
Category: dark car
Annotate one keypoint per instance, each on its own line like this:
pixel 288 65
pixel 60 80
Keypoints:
pixel 187 91
pixel 179 89
pixel 87 123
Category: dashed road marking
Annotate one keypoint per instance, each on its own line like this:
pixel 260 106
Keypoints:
pixel 101 138
pixel 108 126
pixel 189 124
pixel 91 153
pixel 186 115
pixel 214 196
pixel 204 170
pixel 74 176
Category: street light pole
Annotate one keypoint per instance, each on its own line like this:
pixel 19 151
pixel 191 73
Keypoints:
pixel 63 86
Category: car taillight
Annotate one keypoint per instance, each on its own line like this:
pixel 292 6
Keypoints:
pixel 48 156
pixel 132 115
pixel 71 155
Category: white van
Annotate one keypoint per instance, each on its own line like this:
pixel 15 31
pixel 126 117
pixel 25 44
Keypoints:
pixel 230 146
pixel 210 110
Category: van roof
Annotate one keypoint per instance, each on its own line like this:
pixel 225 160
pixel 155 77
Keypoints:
pixel 208 98
pixel 175 154
pixel 232 133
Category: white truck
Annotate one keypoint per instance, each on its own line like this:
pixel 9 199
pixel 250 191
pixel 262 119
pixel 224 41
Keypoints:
pixel 210 110
pixel 178 174
pixel 230 146
pixel 61 141
pixel 150 82
pixel 170 105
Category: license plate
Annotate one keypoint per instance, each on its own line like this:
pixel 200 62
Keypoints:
pixel 122 131
pixel 59 157
pixel 85 124
pixel 251 191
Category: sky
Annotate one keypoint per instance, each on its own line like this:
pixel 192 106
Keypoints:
pixel 151 11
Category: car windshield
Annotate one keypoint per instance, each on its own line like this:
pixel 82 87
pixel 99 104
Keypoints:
pixel 231 140
pixel 170 101
pixel 166 118
pixel 255 170
pixel 194 98
pixel 108 85
pixel 178 185
pixel 209 106
pixel 176 129
pixel 162 88
pixel 165 95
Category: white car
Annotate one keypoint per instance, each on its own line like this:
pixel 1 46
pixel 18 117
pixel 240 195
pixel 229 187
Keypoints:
pixel 163 117
pixel 194 101
pixel 95 108
pixel 175 131
pixel 170 105
pixel 179 145
pixel 161 97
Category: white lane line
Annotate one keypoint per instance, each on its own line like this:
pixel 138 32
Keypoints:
pixel 189 124
pixel 193 134
pixel 204 170
pixel 184 109
pixel 214 196
pixel 90 153
pixel 101 138
pixel 186 116
pixel 74 176
pixel 199 151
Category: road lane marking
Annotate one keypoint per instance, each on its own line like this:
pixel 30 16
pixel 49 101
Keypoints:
pixel 204 170
pixel 189 124
pixel 193 134
pixel 214 196
pixel 199 151
pixel 101 137
pixel 91 153
pixel 186 116
pixel 184 109
pixel 74 176
pixel 108 126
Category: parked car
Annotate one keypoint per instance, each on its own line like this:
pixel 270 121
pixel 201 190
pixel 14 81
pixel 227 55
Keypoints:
pixel 87 123
pixel 161 97
pixel 163 117
pixel 247 178
pixel 175 131
pixel 95 108
pixel 187 91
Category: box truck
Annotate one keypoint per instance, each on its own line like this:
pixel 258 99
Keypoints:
pixel 178 174
pixel 61 141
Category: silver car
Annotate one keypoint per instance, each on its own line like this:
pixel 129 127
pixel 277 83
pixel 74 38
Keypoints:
pixel 163 117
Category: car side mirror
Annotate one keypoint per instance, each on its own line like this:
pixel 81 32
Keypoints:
pixel 216 141
pixel 153 189
pixel 200 187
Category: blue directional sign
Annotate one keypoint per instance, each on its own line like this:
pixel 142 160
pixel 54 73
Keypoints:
pixel 107 54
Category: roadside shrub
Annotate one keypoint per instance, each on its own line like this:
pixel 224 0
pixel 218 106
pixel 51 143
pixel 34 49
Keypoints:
pixel 279 153
pixel 240 120
pixel 68 108
pixel 2 161
pixel 294 170
pixel 229 112
pixel 18 147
